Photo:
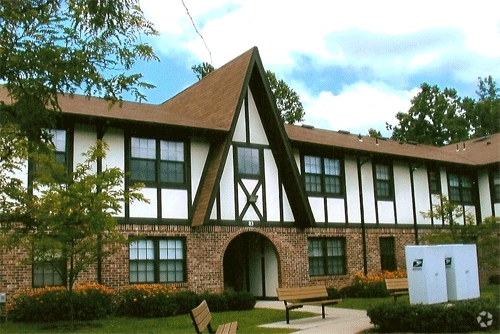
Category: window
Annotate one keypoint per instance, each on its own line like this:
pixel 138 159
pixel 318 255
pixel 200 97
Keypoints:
pixel 383 182
pixel 327 256
pixel 248 161
pixel 45 275
pixel 59 141
pixel 434 182
pixel 323 175
pixel 157 161
pixel 460 188
pixel 496 186
pixel 387 254
pixel 157 261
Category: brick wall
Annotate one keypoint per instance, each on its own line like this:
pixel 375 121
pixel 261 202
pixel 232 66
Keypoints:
pixel 205 253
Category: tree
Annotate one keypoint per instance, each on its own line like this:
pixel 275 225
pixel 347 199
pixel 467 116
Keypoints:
pixel 52 47
pixel 64 220
pixel 448 212
pixel 374 133
pixel 287 100
pixel 484 115
pixel 435 117
pixel 442 117
pixel 486 235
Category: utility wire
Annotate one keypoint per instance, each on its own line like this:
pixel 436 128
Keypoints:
pixel 196 29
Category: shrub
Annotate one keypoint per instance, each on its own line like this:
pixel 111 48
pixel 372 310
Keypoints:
pixel 239 301
pixel 457 317
pixel 145 301
pixel 40 305
pixel 92 301
pixel 333 293
pixel 494 279
pixel 49 304
pixel 370 286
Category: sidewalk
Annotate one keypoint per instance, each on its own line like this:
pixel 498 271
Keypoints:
pixel 338 320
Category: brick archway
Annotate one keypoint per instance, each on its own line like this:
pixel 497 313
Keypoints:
pixel 251 262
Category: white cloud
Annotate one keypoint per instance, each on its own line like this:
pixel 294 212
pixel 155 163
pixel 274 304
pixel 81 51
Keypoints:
pixel 357 108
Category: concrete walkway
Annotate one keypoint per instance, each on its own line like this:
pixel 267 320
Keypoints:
pixel 337 320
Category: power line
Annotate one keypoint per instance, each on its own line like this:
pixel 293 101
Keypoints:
pixel 196 29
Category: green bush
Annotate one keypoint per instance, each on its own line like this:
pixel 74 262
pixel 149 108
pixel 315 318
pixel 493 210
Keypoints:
pixel 494 279
pixel 365 290
pixel 90 301
pixel 239 301
pixel 457 317
pixel 334 293
pixel 145 301
pixel 93 301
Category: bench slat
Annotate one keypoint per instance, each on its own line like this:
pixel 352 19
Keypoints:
pixel 201 320
pixel 298 293
pixel 297 297
pixel 229 328
pixel 397 286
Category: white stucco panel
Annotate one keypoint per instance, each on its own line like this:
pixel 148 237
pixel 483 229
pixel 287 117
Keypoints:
pixel 386 212
pixel 272 187
pixel 484 193
pixel 199 153
pixel 421 186
pixel 336 210
pixel 85 137
pixel 227 189
pixel 318 208
pixel 257 133
pixel 287 210
pixel 145 210
pixel 240 129
pixel 115 157
pixel 174 203
pixel 352 190
pixel 368 191
pixel 402 193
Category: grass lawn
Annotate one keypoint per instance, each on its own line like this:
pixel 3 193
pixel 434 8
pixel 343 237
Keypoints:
pixel 248 321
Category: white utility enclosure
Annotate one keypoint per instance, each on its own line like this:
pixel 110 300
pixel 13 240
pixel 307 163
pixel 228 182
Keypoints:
pixel 462 276
pixel 426 274
pixel 441 273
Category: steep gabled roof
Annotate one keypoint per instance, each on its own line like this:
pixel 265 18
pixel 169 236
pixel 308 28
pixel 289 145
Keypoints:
pixel 477 152
pixel 214 99
pixel 220 95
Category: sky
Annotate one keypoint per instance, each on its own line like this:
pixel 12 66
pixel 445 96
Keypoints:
pixel 354 64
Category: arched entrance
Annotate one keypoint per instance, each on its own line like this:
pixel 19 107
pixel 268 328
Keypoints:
pixel 251 264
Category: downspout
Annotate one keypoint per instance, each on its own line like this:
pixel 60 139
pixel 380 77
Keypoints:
pixel 412 185
pixel 362 212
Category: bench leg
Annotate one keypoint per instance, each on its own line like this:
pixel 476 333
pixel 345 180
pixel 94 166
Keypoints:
pixel 287 316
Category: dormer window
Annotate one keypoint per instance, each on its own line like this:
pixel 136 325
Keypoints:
pixel 248 161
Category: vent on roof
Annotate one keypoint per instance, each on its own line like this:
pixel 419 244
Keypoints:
pixel 307 126
pixel 481 139
pixel 344 132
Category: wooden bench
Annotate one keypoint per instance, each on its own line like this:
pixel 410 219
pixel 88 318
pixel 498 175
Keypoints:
pixel 300 296
pixel 397 287
pixel 201 319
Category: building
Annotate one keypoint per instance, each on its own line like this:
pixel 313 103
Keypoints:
pixel 239 200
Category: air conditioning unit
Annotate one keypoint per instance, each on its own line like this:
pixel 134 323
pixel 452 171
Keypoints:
pixel 3 298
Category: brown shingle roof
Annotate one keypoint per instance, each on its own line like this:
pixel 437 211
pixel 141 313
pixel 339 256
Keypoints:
pixel 215 97
pixel 478 154
pixel 130 111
